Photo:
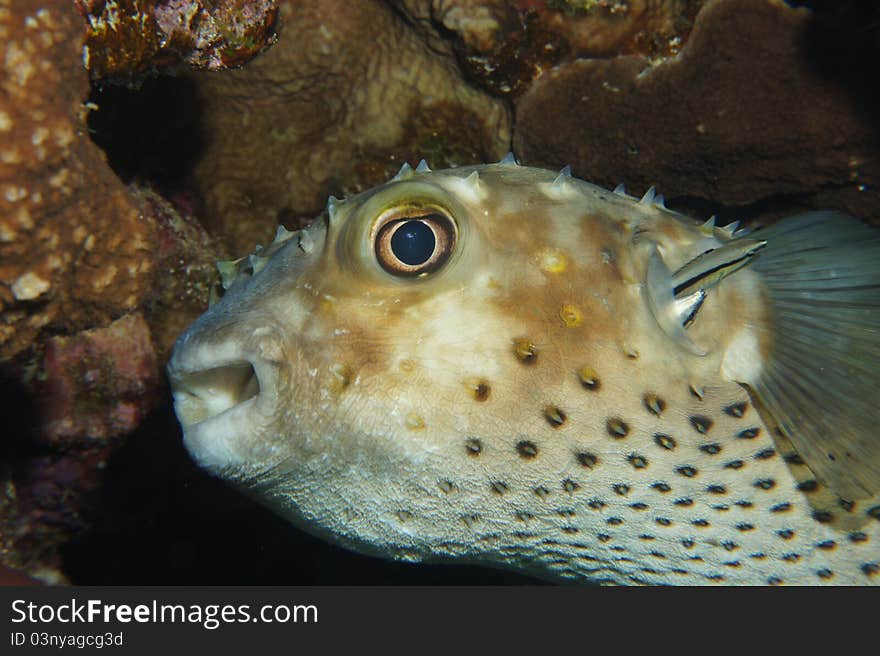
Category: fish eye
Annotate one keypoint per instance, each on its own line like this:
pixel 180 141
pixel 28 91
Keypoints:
pixel 413 241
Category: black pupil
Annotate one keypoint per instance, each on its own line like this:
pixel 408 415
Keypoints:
pixel 413 243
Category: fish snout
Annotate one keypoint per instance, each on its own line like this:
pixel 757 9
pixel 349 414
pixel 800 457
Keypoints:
pixel 226 395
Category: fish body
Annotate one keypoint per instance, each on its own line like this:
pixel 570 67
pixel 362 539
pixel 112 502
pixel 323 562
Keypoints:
pixel 504 365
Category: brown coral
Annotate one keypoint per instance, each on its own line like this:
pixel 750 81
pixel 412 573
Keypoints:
pixel 742 116
pixel 348 93
pixel 74 250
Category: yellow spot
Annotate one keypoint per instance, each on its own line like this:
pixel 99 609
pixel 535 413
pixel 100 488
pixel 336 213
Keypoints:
pixel 414 421
pixel 552 260
pixel 407 366
pixel 571 316
pixel 588 377
pixel 478 388
pixel 340 377
pixel 525 351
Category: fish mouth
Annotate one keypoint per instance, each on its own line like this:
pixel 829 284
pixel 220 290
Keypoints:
pixel 224 395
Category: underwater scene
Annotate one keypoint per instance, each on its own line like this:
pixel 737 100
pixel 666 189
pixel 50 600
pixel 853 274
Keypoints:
pixel 440 292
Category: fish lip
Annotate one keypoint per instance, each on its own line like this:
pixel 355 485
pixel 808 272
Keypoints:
pixel 225 394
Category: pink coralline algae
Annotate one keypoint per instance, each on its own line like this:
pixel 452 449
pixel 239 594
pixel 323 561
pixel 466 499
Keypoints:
pixel 99 383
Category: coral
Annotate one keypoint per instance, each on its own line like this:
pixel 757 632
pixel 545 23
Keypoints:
pixel 74 250
pixel 743 115
pixel 349 90
pixel 504 46
pixel 127 38
pixel 98 383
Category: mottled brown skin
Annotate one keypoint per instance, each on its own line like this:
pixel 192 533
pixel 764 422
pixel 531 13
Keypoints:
pixel 519 407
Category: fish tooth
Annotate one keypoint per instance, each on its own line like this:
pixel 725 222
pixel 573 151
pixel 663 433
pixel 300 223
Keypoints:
pixel 620 190
pixel 423 167
pixel 660 201
pixel 648 198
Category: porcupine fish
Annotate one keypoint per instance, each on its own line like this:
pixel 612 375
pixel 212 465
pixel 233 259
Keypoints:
pixel 508 366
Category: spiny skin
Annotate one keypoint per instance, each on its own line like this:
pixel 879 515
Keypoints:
pixel 519 407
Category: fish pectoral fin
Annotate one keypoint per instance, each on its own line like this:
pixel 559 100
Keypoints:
pixel 821 377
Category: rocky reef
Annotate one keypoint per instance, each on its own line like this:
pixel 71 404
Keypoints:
pixel 141 141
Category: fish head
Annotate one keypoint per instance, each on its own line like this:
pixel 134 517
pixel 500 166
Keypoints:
pixel 410 375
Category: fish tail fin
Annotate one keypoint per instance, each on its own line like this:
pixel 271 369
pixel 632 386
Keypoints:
pixel 821 383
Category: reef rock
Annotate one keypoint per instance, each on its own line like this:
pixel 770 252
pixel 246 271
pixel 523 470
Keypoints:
pixel 127 38
pixel 759 107
pixel 74 250
pixel 348 93
pixel 99 383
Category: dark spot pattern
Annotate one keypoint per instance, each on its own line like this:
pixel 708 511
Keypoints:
pixel 765 484
pixel 473 446
pixel 701 523
pixel 701 424
pixel 742 503
pixel 716 489
pixel 765 454
pixel 525 351
pixel 824 573
pixel 480 390
pixel 823 516
pixel 780 507
pixel 617 427
pixel 663 521
pixel 745 527
pixel 654 404
pixel 870 569
pixel 874 513
pixel 526 449
pixel 858 536
pixel 638 506
pixel 785 533
pixel 794 459
pixel 499 487
pixel 736 409
pixel 827 545
pixel 808 486
pixel 661 487
pixel 570 486
pixel 587 459
pixel 711 449
pixel 734 464
pixel 621 488
pixel 684 501
pixel 687 471
pixel 541 492
pixel 589 379
pixel 637 461
pixel 664 441
pixel 749 433
pixel 596 504
pixel 555 416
